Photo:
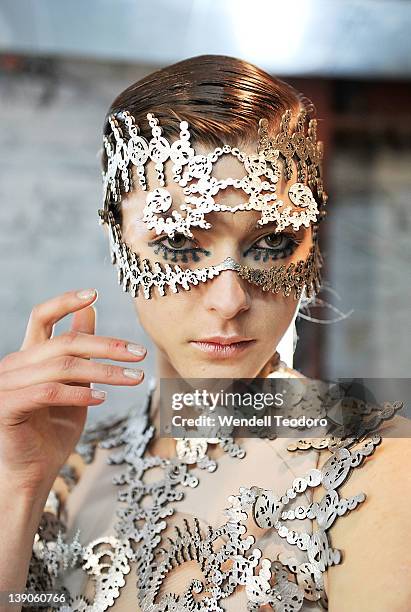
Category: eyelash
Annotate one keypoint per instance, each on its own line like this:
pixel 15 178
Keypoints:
pixel 260 253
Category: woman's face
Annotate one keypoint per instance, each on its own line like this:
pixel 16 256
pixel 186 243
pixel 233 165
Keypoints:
pixel 227 305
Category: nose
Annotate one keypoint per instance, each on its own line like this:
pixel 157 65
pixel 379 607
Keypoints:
pixel 226 294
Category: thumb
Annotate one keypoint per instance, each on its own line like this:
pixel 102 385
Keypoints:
pixel 84 320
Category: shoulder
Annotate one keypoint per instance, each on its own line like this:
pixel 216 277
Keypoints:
pixel 283 371
pixel 376 569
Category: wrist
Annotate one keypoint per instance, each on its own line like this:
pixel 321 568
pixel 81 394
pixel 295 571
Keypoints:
pixel 20 518
pixel 22 505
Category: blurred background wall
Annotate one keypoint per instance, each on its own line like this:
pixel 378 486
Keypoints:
pixel 61 65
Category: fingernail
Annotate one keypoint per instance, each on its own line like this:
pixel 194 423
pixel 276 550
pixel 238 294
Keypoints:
pixel 130 373
pixel 136 349
pixel 86 294
pixel 99 394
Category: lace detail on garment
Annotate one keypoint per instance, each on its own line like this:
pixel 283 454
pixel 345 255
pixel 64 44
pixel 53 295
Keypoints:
pixel 226 555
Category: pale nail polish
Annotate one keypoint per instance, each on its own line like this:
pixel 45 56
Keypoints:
pixel 136 349
pixel 99 394
pixel 130 373
pixel 86 294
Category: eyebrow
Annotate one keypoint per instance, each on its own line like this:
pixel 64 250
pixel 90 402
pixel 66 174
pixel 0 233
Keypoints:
pixel 253 225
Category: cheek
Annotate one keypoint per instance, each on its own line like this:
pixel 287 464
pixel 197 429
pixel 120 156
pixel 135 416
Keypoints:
pixel 165 318
pixel 275 314
pixel 152 315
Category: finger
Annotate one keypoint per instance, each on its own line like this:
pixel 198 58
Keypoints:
pixel 77 344
pixel 22 402
pixel 68 369
pixel 43 316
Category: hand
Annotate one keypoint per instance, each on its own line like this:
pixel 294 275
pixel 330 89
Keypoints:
pixel 45 390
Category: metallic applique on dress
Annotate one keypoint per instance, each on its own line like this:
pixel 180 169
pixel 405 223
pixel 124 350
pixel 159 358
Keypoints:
pixel 226 554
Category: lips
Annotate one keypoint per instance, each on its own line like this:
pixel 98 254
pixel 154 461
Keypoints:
pixel 222 347
pixel 224 340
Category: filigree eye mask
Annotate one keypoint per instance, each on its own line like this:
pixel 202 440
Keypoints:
pixel 126 148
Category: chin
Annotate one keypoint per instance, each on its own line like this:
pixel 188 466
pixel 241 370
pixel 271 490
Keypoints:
pixel 222 370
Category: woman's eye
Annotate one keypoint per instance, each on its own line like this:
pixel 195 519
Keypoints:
pixel 273 241
pixel 178 248
pixel 177 242
pixel 273 246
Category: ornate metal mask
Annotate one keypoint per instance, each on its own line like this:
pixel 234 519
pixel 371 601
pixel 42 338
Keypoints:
pixel 126 149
